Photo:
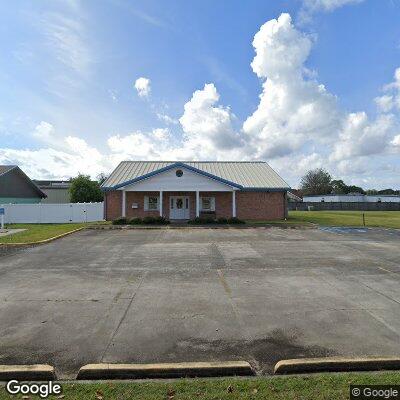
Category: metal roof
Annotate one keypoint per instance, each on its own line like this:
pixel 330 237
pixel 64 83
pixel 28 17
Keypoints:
pixel 6 168
pixel 243 174
pixel 42 184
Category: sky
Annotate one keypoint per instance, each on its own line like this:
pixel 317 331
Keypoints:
pixel 301 84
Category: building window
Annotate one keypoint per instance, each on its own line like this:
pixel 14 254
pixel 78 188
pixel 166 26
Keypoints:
pixel 207 204
pixel 179 173
pixel 151 203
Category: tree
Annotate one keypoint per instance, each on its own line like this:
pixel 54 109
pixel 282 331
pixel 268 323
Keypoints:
pixel 387 191
pixel 317 181
pixel 355 189
pixel 84 190
pixel 338 187
pixel 101 178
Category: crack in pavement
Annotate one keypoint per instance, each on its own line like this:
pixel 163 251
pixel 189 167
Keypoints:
pixel 123 317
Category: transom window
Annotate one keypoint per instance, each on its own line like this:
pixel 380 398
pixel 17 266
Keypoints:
pixel 152 203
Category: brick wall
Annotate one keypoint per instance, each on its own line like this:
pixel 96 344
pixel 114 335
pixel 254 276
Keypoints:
pixel 138 197
pixel 260 205
pixel 249 205
pixel 223 203
pixel 112 204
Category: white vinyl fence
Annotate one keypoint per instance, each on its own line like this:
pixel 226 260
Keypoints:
pixel 53 213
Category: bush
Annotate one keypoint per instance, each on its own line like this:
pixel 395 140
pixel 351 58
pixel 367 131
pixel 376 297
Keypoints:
pixel 149 220
pixel 161 221
pixel 155 221
pixel 136 221
pixel 202 221
pixel 235 220
pixel 222 220
pixel 120 221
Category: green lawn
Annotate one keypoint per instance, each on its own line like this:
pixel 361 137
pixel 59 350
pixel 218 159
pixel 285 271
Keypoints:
pixel 312 387
pixel 386 219
pixel 36 232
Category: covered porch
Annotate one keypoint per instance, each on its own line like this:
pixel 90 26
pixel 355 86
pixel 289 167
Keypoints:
pixel 178 205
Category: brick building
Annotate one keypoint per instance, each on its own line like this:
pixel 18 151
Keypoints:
pixel 184 190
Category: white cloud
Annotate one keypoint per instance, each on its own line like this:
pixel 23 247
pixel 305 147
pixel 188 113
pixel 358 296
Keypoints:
pixel 44 131
pixel 161 133
pixel 167 119
pixel 396 142
pixel 390 101
pixel 361 137
pixel 206 123
pixel 292 109
pixel 140 145
pixel 65 36
pixel 142 85
pixel 384 103
pixel 55 164
pixel 327 5
pixel 309 7
pixel 297 124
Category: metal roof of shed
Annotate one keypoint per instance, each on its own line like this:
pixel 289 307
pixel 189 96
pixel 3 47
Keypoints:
pixel 246 174
pixel 6 168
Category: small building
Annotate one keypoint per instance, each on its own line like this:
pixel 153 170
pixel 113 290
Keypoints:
pixel 17 188
pixel 185 190
pixel 352 198
pixel 57 191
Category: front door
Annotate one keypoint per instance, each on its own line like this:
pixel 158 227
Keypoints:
pixel 179 207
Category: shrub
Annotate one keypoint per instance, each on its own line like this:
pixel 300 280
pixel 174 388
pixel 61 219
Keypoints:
pixel 161 221
pixel 222 220
pixel 149 220
pixel 136 221
pixel 120 221
pixel 202 221
pixel 235 220
pixel 155 221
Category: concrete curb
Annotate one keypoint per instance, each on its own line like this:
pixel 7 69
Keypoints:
pixel 35 372
pixel 336 364
pixel 167 370
pixel 45 240
pixel 246 226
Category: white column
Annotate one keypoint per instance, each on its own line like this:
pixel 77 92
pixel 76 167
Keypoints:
pixel 233 203
pixel 123 203
pixel 161 201
pixel 197 203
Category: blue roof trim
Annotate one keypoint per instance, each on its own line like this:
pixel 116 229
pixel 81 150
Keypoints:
pixel 167 168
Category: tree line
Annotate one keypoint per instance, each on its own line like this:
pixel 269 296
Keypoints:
pixel 319 182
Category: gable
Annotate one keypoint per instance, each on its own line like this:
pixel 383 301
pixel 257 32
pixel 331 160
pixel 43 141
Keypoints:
pixel 15 183
pixel 168 180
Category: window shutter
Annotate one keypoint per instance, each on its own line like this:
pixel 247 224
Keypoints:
pixel 212 203
pixel 146 203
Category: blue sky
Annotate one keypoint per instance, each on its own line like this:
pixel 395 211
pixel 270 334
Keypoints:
pixel 69 104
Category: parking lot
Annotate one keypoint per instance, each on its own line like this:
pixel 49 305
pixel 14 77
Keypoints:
pixel 160 295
